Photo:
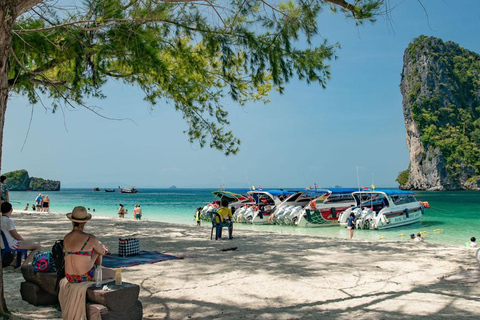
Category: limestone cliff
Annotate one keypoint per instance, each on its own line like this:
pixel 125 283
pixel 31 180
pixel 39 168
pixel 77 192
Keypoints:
pixel 441 105
pixel 19 180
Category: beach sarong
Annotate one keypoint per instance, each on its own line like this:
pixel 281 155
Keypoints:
pixel 115 261
pixel 72 299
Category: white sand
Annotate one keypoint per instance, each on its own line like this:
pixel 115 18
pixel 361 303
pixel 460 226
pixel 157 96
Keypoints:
pixel 273 276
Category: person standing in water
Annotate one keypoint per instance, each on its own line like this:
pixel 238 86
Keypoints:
pixel 351 224
pixel 121 211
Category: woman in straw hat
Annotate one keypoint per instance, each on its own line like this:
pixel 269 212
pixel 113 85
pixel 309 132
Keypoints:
pixel 83 251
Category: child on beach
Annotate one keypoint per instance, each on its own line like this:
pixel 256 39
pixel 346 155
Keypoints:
pixel 473 244
pixel 419 238
pixel 198 215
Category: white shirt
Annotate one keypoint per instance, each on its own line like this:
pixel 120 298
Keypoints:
pixel 7 226
pixel 473 244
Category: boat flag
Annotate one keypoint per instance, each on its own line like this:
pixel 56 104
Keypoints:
pixel 373 187
pixel 259 188
pixel 315 186
pixel 253 187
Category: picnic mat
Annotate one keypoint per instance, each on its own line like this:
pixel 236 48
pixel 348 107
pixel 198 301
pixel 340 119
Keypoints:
pixel 115 261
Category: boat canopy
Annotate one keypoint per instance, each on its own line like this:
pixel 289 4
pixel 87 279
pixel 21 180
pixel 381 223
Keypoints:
pixel 273 192
pixel 342 190
pixel 230 196
pixel 388 192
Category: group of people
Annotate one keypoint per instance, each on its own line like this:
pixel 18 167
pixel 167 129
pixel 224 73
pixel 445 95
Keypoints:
pixel 83 251
pixel 137 212
pixel 417 238
pixel 42 204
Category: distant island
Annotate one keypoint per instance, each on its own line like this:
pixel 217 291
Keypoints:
pixel 19 180
pixel 441 105
pixel 173 187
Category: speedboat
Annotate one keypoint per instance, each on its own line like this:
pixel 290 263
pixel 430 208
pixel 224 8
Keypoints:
pixel 265 203
pixel 288 212
pixel 382 209
pixel 109 190
pixel 235 200
pixel 325 209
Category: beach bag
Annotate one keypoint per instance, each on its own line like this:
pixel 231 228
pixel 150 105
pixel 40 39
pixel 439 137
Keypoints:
pixel 128 247
pixel 43 262
pixel 59 260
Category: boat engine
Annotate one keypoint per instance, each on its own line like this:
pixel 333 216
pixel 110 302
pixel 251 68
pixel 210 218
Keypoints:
pixel 365 220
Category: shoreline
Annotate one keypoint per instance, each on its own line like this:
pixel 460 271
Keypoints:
pixel 272 275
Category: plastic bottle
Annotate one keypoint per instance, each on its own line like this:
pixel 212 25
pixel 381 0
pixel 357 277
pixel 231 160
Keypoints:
pixel 118 277
pixel 98 276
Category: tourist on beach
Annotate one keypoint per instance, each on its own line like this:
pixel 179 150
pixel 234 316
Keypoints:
pixel 138 214
pixel 83 251
pixel 33 207
pixel 351 224
pixel 419 238
pixel 26 207
pixel 226 216
pixel 38 202
pixel 412 236
pixel 121 211
pixel 46 204
pixel 14 239
pixel 473 244
pixel 4 190
pixel 198 215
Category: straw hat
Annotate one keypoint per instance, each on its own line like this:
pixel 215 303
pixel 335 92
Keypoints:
pixel 79 214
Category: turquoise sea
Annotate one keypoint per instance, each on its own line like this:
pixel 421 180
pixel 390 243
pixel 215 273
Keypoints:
pixel 456 212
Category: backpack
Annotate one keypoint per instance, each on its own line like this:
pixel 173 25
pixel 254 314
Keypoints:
pixel 59 259
pixel 43 262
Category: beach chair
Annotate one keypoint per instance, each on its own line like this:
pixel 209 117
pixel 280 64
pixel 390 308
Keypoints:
pixel 217 226
pixel 20 252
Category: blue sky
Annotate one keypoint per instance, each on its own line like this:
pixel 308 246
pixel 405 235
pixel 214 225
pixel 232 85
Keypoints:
pixel 307 135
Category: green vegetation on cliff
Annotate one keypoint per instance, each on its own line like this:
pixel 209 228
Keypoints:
pixel 402 178
pixel 20 181
pixel 446 107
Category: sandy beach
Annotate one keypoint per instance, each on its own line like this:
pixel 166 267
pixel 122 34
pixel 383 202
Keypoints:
pixel 272 275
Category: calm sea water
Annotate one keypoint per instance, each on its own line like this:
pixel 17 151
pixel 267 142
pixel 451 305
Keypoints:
pixel 456 212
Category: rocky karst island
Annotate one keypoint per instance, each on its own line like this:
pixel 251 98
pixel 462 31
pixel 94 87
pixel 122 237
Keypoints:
pixel 19 180
pixel 441 105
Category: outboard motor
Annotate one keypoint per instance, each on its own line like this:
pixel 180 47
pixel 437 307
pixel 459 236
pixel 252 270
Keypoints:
pixel 294 215
pixel 365 220
pixel 206 212
pixel 248 215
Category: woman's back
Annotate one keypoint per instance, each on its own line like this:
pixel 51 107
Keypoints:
pixel 80 255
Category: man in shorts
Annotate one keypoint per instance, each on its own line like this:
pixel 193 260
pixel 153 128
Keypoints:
pixel 14 239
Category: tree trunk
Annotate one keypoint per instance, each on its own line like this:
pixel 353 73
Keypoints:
pixel 7 19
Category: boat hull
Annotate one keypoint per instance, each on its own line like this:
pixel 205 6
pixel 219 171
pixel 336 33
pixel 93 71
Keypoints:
pixel 399 219
pixel 321 217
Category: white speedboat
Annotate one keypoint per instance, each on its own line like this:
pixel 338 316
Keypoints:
pixel 235 200
pixel 265 203
pixel 382 209
pixel 288 211
pixel 325 209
